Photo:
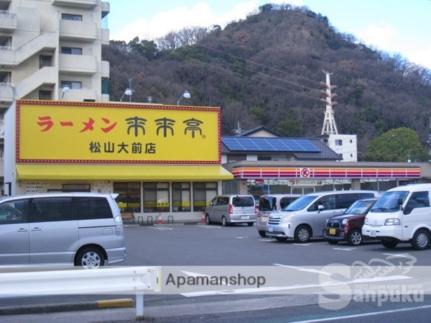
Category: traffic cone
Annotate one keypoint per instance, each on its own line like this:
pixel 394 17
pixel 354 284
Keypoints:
pixel 159 219
pixel 202 221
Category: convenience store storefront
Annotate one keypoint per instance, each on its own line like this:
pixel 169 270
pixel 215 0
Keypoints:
pixel 161 160
pixel 302 177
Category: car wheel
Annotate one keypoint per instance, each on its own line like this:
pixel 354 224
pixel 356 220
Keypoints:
pixel 90 258
pixel 250 224
pixel 332 241
pixel 207 220
pixel 389 243
pixel 302 234
pixel 224 221
pixel 421 240
pixel 262 234
pixel 281 239
pixel 354 237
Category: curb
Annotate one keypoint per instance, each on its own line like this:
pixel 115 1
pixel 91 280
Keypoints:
pixel 68 307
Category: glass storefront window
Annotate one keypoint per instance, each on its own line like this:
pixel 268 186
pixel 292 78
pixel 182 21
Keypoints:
pixel 156 197
pixel 181 197
pixel 203 193
pixel 129 196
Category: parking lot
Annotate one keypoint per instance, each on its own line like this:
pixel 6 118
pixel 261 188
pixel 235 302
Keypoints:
pixel 213 245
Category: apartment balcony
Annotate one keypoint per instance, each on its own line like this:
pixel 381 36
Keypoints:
pixel 106 8
pixel 78 64
pixel 78 30
pixel 105 69
pixel 104 36
pixel 80 95
pixel 6 94
pixel 8 21
pixel 15 56
pixel 85 4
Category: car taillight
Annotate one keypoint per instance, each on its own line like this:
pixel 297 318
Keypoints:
pixel 230 209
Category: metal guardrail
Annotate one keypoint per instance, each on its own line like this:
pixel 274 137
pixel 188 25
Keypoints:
pixel 124 280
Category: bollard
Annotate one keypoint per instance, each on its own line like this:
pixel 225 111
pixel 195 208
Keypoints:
pixel 150 220
pixel 139 303
pixel 140 220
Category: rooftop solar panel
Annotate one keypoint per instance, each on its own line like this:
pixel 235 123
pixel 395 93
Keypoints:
pixel 269 144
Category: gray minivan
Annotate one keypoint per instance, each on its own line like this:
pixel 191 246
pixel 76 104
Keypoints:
pixel 229 209
pixel 84 229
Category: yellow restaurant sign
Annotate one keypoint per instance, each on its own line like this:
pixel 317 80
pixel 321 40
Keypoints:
pixel 81 132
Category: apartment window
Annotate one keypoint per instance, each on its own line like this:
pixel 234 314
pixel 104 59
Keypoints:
pixel 181 197
pixel 73 85
pixel 338 142
pixel 129 196
pixel 6 42
pixel 264 158
pixel 45 60
pixel 45 95
pixel 5 77
pixel 71 16
pixel 71 50
pixel 203 193
pixel 105 85
pixel 156 197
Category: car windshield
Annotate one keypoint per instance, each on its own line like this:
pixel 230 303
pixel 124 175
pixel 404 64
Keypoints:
pixel 390 201
pixel 360 207
pixel 300 203
pixel 243 201
pixel 266 203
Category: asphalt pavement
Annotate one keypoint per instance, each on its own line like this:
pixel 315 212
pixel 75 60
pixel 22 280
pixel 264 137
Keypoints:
pixel 201 245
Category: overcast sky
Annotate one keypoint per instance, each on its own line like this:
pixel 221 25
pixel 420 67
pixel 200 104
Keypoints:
pixel 396 26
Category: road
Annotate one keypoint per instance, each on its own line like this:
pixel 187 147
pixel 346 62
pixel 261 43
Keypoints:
pixel 200 245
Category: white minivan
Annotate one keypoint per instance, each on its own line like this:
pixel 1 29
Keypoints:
pixel 306 217
pixel 270 203
pixel 81 229
pixel 402 214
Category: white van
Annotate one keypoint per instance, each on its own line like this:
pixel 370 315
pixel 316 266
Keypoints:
pixel 82 229
pixel 268 204
pixel 306 217
pixel 402 214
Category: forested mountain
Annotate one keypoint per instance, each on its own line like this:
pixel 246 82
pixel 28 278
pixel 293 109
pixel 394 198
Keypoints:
pixel 267 69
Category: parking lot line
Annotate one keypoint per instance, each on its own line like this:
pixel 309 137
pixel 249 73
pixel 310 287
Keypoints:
pixel 241 237
pixel 401 255
pixel 162 228
pixel 307 270
pixel 302 244
pixel 209 227
pixel 344 249
pixel 345 317
pixel 267 240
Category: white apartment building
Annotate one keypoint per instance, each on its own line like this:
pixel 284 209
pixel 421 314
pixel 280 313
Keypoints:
pixel 345 145
pixel 52 50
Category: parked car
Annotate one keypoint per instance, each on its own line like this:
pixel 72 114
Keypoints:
pixel 306 217
pixel 84 229
pixel 229 209
pixel 402 214
pixel 271 203
pixel 348 226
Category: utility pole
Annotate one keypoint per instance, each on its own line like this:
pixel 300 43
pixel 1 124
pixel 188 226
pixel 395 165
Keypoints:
pixel 329 125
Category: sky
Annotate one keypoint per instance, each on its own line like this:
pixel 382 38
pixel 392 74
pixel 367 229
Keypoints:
pixel 394 26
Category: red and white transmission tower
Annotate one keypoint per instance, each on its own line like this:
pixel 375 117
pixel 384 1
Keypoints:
pixel 329 125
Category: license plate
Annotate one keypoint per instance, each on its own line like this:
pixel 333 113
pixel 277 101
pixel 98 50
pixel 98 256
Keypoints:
pixel 270 229
pixel 245 217
pixel 332 231
pixel 372 233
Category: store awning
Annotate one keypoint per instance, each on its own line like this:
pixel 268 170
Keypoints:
pixel 123 172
